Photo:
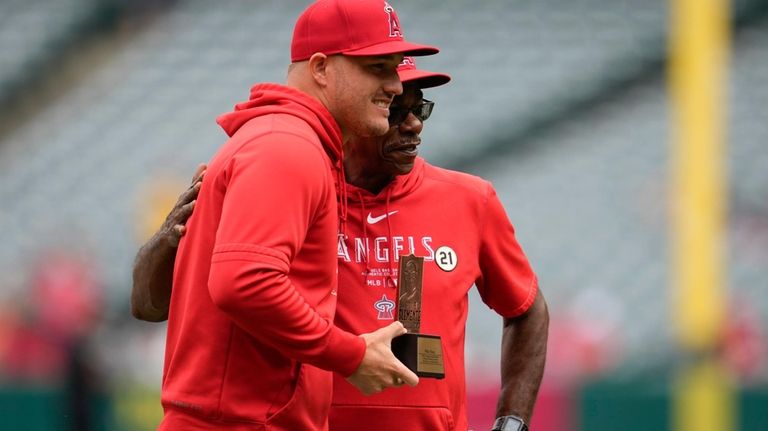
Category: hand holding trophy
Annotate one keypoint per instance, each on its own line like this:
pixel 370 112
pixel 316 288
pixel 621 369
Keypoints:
pixel 421 353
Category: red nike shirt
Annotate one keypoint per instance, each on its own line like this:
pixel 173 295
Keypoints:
pixel 456 222
pixel 255 279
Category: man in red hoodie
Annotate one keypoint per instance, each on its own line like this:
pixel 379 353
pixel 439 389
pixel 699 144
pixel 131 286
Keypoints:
pixel 403 205
pixel 399 205
pixel 251 343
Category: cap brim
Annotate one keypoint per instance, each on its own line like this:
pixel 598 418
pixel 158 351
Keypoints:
pixel 423 78
pixel 394 47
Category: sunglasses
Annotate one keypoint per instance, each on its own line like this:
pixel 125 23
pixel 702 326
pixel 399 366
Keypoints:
pixel 422 111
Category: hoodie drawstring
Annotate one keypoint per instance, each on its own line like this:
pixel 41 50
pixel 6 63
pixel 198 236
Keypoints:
pixel 392 279
pixel 365 238
pixel 342 192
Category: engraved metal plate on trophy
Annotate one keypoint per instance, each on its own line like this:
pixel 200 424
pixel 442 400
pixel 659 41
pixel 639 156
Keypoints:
pixel 421 353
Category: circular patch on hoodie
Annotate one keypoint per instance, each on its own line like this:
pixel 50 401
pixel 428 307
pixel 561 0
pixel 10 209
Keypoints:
pixel 446 258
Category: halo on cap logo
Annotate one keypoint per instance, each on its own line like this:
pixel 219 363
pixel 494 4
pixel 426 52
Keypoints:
pixel 446 259
pixel 407 61
pixel 394 23
pixel 384 306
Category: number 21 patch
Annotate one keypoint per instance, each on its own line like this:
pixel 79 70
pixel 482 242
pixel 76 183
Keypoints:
pixel 446 258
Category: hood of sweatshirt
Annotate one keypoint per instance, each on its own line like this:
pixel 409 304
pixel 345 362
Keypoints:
pixel 272 98
pixel 278 99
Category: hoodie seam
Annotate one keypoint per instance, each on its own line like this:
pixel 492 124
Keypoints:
pixel 486 198
pixel 483 224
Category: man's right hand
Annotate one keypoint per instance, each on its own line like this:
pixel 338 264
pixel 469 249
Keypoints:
pixel 380 369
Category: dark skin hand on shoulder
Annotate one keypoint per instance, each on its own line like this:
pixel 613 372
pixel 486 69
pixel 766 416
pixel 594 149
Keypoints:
pixel 153 267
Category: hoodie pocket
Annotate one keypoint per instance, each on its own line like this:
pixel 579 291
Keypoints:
pixel 308 407
pixel 391 418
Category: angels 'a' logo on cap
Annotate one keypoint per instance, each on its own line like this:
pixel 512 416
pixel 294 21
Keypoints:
pixel 394 23
pixel 407 61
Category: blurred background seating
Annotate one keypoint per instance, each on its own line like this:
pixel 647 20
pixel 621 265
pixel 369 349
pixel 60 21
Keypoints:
pixel 108 106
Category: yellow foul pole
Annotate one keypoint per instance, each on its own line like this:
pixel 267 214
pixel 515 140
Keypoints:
pixel 699 42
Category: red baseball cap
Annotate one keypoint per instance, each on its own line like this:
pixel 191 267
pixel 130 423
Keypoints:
pixel 423 78
pixel 351 27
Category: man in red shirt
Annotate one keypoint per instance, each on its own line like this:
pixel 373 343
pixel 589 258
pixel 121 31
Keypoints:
pixel 399 204
pixel 251 343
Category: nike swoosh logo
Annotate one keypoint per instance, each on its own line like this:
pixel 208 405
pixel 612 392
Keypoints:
pixel 374 220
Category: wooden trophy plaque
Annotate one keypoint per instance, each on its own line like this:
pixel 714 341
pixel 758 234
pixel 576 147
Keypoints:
pixel 421 353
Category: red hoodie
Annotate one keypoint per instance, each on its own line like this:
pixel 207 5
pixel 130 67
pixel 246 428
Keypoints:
pixel 457 223
pixel 254 288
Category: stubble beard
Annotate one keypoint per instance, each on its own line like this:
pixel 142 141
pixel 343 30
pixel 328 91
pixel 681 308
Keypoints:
pixel 365 125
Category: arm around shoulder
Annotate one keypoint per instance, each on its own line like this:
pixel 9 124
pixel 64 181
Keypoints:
pixel 152 280
pixel 153 266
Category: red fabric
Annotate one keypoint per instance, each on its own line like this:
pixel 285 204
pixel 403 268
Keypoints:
pixel 255 279
pixel 429 208
pixel 352 27
pixel 423 78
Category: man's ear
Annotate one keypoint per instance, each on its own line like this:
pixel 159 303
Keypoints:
pixel 318 67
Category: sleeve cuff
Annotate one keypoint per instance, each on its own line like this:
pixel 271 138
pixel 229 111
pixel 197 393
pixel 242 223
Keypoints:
pixel 343 353
pixel 522 308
